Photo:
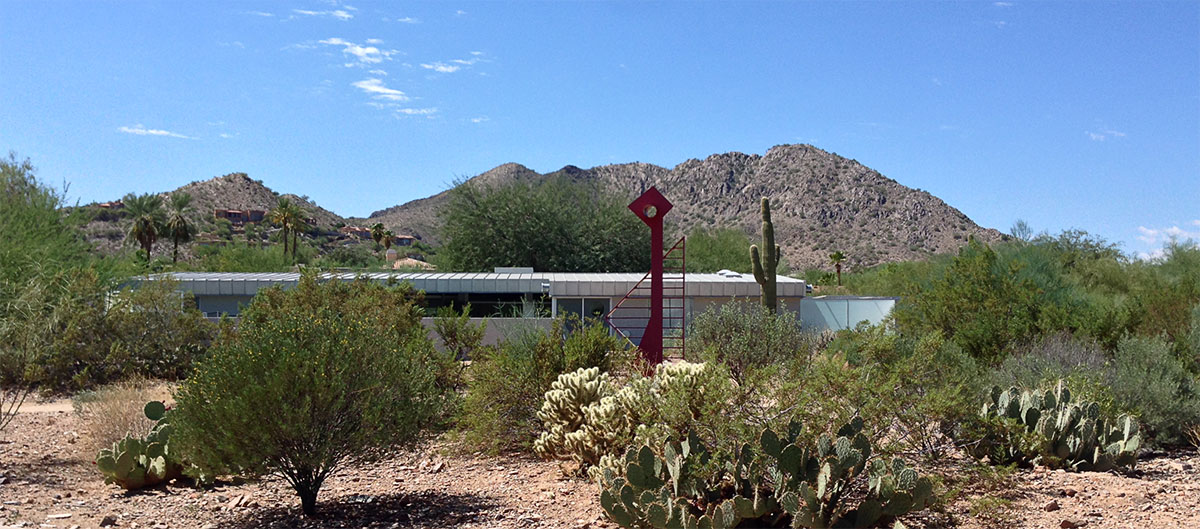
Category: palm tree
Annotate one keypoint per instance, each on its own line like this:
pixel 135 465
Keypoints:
pixel 377 232
pixel 178 226
pixel 387 237
pixel 836 258
pixel 148 220
pixel 290 219
pixel 283 216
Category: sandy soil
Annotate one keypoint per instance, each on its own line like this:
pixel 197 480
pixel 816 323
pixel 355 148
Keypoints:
pixel 46 481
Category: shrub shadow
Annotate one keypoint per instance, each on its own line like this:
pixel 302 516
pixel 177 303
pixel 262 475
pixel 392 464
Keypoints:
pixel 416 509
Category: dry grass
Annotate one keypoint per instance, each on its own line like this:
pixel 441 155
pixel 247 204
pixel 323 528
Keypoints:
pixel 1193 435
pixel 110 413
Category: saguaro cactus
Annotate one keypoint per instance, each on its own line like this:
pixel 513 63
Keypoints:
pixel 765 264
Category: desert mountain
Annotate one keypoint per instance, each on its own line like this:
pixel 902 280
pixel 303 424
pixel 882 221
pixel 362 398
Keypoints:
pixel 238 191
pixel 232 191
pixel 821 203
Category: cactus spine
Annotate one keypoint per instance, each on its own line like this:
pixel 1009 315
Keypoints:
pixel 766 261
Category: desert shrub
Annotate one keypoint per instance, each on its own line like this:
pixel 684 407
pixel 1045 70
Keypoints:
pixel 746 335
pixel 460 339
pixel 314 378
pixel 1147 380
pixel 913 390
pixel 245 258
pixel 114 411
pixel 95 336
pixel 1079 360
pixel 352 256
pixel 507 383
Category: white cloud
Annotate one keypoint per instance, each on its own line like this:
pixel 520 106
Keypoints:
pixel 374 41
pixel 141 130
pixel 339 14
pixel 454 65
pixel 441 67
pixel 363 55
pixel 227 135
pixel 1152 255
pixel 1162 235
pixel 408 20
pixel 480 119
pixel 260 13
pixel 1104 134
pixel 460 12
pixel 376 88
pixel 377 72
pixel 234 44
pixel 416 111
pixel 1002 4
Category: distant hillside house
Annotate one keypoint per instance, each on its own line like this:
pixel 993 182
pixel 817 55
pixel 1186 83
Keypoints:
pixel 355 231
pixel 116 204
pixel 403 240
pixel 239 217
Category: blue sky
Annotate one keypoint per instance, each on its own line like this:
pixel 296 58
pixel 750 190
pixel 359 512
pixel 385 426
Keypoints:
pixel 1064 114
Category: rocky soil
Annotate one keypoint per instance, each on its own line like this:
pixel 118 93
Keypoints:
pixel 47 482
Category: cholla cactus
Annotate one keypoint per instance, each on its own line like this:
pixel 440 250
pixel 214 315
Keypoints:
pixel 135 462
pixel 562 411
pixel 1072 434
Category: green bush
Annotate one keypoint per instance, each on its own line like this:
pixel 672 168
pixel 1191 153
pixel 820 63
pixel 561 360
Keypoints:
pixel 507 382
pixel 92 336
pixel 745 335
pixel 313 378
pixel 1147 380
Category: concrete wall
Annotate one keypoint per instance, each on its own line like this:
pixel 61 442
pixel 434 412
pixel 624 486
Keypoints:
pixel 497 330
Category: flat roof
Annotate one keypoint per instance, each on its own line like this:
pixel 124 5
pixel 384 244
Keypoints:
pixel 556 284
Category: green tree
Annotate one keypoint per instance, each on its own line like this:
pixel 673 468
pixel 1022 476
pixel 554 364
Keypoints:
pixel 149 221
pixel 290 219
pixel 388 238
pixel 712 250
pixel 556 224
pixel 179 226
pixel 377 231
pixel 836 258
pixel 322 375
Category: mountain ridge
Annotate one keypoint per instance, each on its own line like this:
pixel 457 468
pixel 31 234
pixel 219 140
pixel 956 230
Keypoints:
pixel 821 203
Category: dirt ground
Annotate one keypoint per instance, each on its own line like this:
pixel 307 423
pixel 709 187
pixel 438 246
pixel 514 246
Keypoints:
pixel 46 481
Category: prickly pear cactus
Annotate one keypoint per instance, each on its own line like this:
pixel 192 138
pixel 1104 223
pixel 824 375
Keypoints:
pixel 648 490
pixel 134 462
pixel 1070 434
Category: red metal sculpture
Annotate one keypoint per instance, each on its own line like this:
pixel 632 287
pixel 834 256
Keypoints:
pixel 651 207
